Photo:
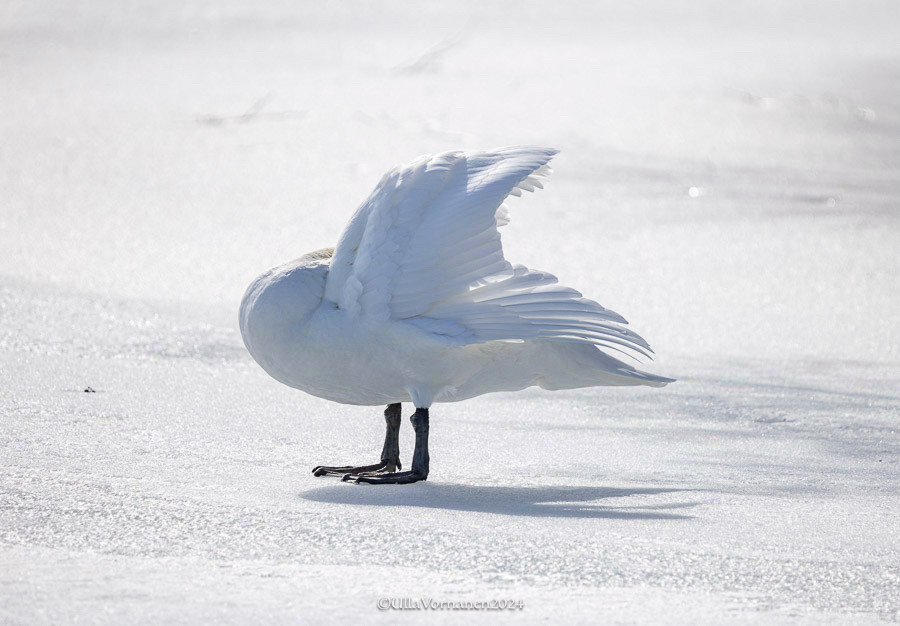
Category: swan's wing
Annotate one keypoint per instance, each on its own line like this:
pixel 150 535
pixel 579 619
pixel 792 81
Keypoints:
pixel 424 247
pixel 428 231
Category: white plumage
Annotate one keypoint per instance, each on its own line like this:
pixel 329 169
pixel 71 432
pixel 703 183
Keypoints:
pixel 417 302
pixel 421 263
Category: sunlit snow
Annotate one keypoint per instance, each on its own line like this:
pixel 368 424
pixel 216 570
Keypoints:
pixel 728 180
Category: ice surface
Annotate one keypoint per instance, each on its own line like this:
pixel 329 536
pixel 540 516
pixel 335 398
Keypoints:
pixel 729 181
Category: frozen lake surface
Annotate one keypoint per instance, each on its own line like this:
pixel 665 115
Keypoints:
pixel 729 181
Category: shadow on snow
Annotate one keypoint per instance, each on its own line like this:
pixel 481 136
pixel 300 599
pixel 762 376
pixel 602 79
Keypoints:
pixel 580 502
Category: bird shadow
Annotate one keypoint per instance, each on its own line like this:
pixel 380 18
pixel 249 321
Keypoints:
pixel 550 501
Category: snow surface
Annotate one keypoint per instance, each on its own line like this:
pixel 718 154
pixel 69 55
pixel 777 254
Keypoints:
pixel 729 181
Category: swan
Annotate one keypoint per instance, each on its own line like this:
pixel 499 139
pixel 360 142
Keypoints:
pixel 416 303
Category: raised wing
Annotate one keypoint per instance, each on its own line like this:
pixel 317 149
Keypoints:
pixel 424 247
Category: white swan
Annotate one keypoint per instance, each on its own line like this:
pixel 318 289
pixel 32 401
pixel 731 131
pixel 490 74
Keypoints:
pixel 417 304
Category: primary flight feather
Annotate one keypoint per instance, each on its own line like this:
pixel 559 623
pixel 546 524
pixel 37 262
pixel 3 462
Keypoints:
pixel 417 303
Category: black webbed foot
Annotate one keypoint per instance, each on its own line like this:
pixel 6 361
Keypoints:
pixel 341 470
pixel 385 478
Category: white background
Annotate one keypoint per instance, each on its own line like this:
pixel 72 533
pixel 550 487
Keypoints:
pixel 729 181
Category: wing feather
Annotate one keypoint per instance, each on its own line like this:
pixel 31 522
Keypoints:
pixel 424 247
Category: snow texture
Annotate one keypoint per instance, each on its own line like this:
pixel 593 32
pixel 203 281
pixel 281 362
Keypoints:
pixel 728 180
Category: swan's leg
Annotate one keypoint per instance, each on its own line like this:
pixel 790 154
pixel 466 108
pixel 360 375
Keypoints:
pixel 390 454
pixel 419 470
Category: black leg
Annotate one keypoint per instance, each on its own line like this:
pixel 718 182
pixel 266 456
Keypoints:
pixel 390 453
pixel 419 470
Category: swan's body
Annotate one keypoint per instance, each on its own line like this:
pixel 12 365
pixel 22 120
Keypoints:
pixel 417 303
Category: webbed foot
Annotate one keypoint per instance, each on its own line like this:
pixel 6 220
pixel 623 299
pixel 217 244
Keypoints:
pixel 341 470
pixel 385 478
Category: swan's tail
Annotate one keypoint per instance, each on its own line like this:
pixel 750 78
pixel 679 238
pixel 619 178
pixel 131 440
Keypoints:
pixel 588 366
